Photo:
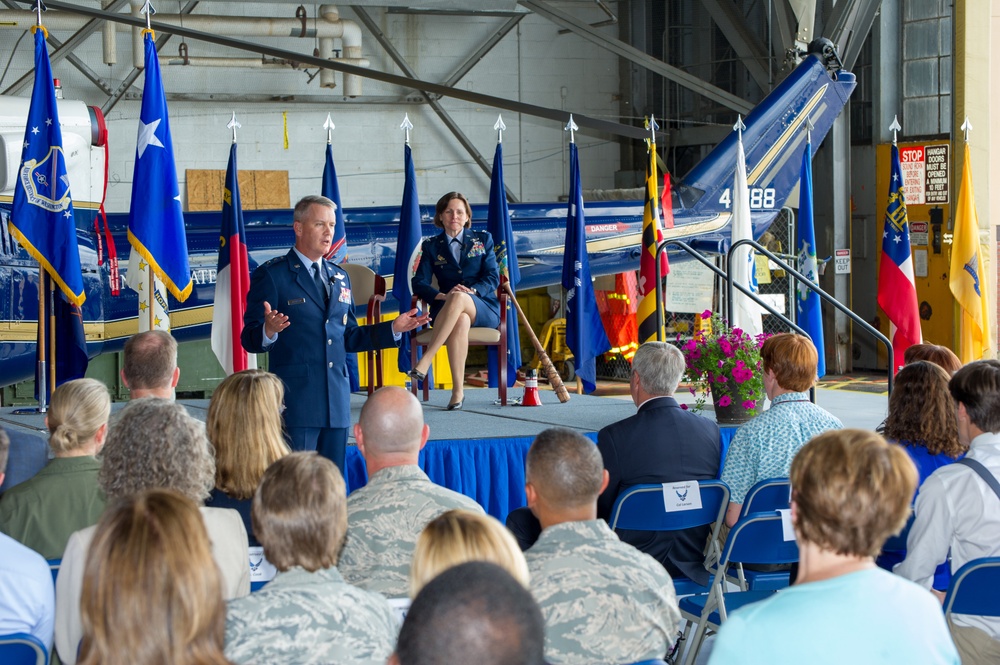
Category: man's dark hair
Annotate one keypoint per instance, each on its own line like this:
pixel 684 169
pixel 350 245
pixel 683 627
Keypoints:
pixel 473 613
pixel 977 386
pixel 150 360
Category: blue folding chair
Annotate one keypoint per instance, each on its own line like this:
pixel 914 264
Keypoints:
pixel 975 589
pixel 765 496
pixel 640 508
pixel 655 661
pixel 756 538
pixel 54 568
pixel 22 649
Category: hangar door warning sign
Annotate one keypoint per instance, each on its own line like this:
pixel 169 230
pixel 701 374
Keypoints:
pixel 925 174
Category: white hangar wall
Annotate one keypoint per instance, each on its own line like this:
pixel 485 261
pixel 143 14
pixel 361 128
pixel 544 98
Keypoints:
pixel 532 64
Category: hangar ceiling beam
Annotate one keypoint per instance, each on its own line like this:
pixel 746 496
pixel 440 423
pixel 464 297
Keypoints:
pixel 849 25
pixel 783 25
pixel 481 52
pixel 750 50
pixel 65 50
pixel 432 99
pixel 126 84
pixel 558 115
pixel 633 54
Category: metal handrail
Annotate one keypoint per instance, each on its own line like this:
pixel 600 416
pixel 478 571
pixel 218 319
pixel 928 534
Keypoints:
pixel 809 283
pixel 718 271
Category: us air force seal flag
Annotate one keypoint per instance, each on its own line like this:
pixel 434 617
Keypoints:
pixel 155 222
pixel 42 213
pixel 584 331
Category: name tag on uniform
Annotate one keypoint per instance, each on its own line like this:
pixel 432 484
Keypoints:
pixel 440 260
pixel 684 495
pixel 296 301
pixel 345 295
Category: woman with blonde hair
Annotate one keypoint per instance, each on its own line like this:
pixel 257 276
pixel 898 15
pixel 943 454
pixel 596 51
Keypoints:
pixel 152 593
pixel 458 536
pixel 44 511
pixel 244 426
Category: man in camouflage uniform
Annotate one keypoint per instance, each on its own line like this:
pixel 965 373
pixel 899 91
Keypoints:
pixel 386 516
pixel 307 613
pixel 603 600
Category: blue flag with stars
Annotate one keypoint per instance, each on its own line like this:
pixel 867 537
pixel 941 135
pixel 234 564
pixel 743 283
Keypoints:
pixel 498 224
pixel 42 214
pixel 809 312
pixel 585 334
pixel 338 248
pixel 406 246
pixel 155 221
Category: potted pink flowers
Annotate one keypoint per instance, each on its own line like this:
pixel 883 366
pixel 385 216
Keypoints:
pixel 726 362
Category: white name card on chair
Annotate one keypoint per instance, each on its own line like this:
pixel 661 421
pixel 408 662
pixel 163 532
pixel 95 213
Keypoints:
pixel 683 495
pixel 787 530
pixel 261 570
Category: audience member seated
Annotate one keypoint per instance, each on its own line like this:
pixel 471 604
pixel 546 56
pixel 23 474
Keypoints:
pixel 149 365
pixel 153 443
pixel 307 613
pixel 26 595
pixel 476 613
pixel 941 356
pixel 244 428
pixel 459 536
pixel 386 516
pixel 764 447
pixel 151 592
pixel 957 509
pixel 661 443
pixel 922 418
pixel 603 600
pixel 29 453
pixel 64 497
pixel 850 491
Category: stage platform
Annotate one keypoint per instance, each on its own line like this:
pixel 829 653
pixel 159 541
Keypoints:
pixel 480 450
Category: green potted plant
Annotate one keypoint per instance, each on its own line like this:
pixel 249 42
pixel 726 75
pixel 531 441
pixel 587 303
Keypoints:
pixel 725 362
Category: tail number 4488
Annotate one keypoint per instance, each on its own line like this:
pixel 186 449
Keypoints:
pixel 759 198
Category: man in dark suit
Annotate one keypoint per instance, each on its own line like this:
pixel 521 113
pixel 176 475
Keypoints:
pixel 300 311
pixel 661 443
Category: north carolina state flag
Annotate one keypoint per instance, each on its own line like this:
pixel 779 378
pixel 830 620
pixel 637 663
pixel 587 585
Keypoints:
pixel 232 280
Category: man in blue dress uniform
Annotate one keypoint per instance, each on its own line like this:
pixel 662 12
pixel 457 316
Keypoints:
pixel 300 311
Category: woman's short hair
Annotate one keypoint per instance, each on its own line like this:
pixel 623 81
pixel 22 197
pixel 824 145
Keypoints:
pixel 921 411
pixel 300 512
pixel 941 356
pixel 458 536
pixel 244 426
pixel 152 592
pixel 154 442
pixel 793 360
pixel 851 491
pixel 442 205
pixel 79 408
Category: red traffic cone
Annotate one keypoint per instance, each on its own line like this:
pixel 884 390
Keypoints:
pixel 531 397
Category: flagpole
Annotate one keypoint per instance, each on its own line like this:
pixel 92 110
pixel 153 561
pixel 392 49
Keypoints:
pixel 43 287
pixel 52 335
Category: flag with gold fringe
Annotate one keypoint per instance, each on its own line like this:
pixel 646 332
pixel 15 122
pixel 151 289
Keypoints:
pixel 967 281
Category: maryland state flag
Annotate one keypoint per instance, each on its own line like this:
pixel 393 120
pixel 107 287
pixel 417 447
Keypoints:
pixel 652 236
pixel 966 280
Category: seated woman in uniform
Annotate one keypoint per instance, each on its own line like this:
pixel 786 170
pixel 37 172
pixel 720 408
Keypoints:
pixel 465 267
pixel 43 512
